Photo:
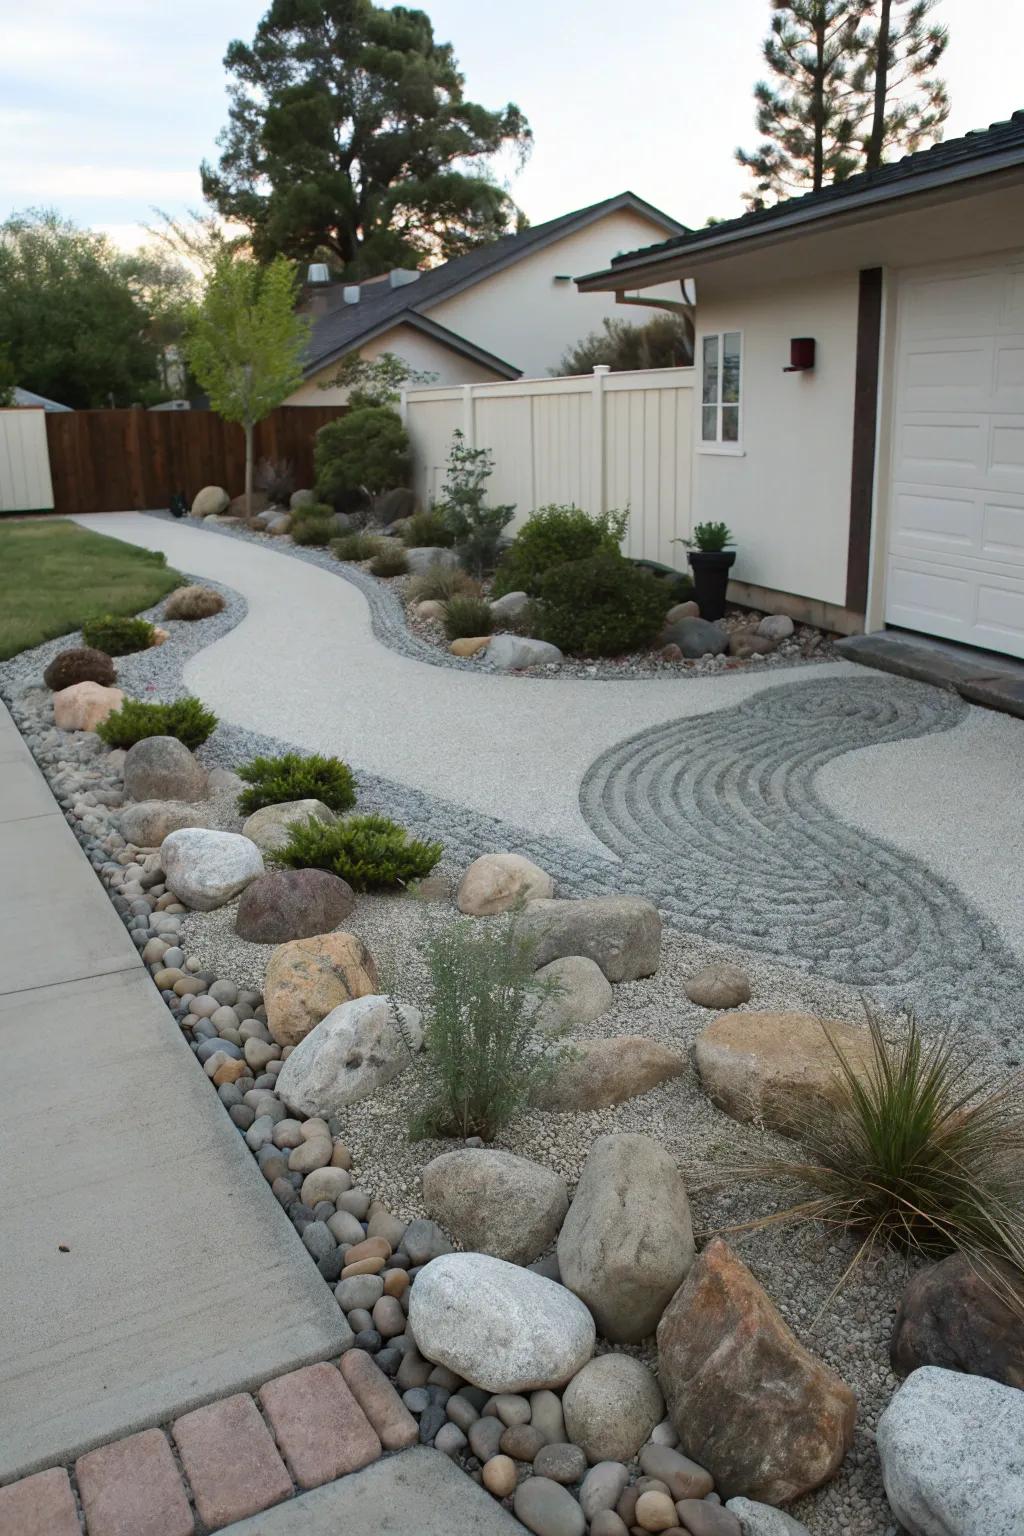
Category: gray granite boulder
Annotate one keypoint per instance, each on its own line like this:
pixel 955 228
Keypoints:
pixel 695 638
pixel 621 934
pixel 205 869
pixel 583 992
pixel 349 1054
pixel 423 559
pixel 493 1202
pixel 163 768
pixel 515 653
pixel 269 827
pixel 611 1406
pixel 764 1519
pixel 510 606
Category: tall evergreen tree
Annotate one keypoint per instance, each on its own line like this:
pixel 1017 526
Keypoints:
pixel 810 118
pixel 909 104
pixel 350 133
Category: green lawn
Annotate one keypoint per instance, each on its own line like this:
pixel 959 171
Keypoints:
pixel 57 575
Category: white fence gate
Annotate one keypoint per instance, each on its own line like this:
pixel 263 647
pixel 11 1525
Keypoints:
pixel 599 441
pixel 24 460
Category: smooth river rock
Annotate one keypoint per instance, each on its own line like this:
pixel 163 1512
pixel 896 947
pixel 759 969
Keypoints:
pixel 204 869
pixel 351 1053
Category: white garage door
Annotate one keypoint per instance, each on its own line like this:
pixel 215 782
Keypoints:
pixel 956 517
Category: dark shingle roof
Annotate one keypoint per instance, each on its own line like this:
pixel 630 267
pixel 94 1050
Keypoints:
pixel 380 306
pixel 950 160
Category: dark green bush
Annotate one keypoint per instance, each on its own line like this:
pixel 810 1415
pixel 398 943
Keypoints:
pixel 134 721
pixel 601 606
pixel 466 616
pixel 118 637
pixel 367 449
pixel 316 531
pixel 79 665
pixel 554 536
pixel 427 530
pixel 273 780
pixel 369 852
pixel 355 546
pixel 389 560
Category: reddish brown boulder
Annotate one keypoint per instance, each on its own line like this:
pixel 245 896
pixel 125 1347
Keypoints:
pixel 954 1316
pixel 292 904
pixel 748 1401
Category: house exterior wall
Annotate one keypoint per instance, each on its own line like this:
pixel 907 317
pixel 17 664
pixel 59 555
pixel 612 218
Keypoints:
pixel 422 352
pixel 524 316
pixel 786 493
pixel 25 484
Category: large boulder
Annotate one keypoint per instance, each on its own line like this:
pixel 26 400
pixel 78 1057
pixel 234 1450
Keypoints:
pixel 163 768
pixel 425 558
pixel 776 1069
pixel 204 869
pixel 627 1242
pixel 621 934
pixel 497 881
pixel 499 1326
pixel 515 653
pixel 582 992
pixel 355 1050
pixel 147 822
pixel 292 904
pixel 394 505
pixel 952 1452
pixel 748 1401
pixel 210 501
pixel 719 987
pixel 300 499
pixel 308 978
pixel 270 826
pixel 239 506
pixel 603 1072
pixel 511 606
pixel 695 638
pixel 956 1316
pixel 84 706
pixel 493 1202
pixel 758 1519
pixel 611 1406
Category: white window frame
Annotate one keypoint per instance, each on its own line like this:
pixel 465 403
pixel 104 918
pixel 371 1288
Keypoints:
pixel 716 445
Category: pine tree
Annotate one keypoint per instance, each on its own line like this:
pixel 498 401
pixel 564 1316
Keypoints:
pixel 908 103
pixel 810 119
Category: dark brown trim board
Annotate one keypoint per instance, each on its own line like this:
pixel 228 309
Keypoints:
pixel 865 421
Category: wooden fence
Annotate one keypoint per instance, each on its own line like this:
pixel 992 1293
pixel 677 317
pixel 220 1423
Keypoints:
pixel 127 460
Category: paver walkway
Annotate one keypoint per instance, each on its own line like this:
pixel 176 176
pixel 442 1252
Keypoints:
pixel 145 1266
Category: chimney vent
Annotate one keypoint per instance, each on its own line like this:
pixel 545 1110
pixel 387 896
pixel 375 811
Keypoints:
pixel 318 272
pixel 399 276
pixel 350 293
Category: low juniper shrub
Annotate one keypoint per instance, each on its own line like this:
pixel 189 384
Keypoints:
pixel 273 780
pixel 370 852
pixel 117 636
pixel 187 719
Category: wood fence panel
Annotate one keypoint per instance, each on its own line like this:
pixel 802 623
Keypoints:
pixel 128 460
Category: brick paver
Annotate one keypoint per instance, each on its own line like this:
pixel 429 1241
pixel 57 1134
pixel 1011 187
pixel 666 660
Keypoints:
pixel 320 1427
pixel 231 1460
pixel 41 1505
pixel 379 1401
pixel 132 1488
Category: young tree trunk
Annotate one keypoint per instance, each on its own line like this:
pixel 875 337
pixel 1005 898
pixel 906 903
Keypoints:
pixel 818 103
pixel 873 154
pixel 248 471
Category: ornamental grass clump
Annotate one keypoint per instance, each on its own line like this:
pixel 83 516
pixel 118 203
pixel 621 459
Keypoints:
pixel 274 780
pixel 911 1158
pixel 316 532
pixel 370 852
pixel 440 583
pixel 117 636
pixel 193 602
pixel 466 616
pixel 389 560
pixel 488 1056
pixel 187 719
pixel 427 530
pixel 355 546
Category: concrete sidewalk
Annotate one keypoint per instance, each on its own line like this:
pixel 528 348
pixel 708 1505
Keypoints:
pixel 183 1280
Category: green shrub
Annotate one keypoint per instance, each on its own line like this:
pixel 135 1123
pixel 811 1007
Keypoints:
pixel 466 616
pixel 135 720
pixel 488 1056
pixel 602 606
pixel 316 531
pixel 389 560
pixel 910 1157
pixel 427 530
pixel 193 602
pixel 370 852
pixel 315 510
pixel 80 664
pixel 440 583
pixel 355 546
pixel 366 449
pixel 555 536
pixel 118 637
pixel 273 780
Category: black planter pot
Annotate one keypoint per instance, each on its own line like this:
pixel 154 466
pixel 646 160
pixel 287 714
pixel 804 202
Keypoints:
pixel 710 578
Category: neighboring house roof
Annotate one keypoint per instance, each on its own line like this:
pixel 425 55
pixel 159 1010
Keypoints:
pixel 26 397
pixel 979 153
pixel 346 326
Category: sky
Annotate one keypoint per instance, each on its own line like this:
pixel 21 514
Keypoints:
pixel 108 106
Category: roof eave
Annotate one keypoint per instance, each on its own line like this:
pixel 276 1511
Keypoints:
pixel 417 322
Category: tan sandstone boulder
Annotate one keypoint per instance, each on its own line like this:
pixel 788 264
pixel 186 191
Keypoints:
pixel 766 1418
pixel 497 881
pixel 308 978
pixel 84 706
pixel 603 1072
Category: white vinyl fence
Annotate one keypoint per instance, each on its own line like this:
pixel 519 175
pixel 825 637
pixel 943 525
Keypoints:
pixel 24 460
pixel 602 440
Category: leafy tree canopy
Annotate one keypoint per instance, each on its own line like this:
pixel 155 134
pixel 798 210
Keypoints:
pixel 350 134
pixel 665 341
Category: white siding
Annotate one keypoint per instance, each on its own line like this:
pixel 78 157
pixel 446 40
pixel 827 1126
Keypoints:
pixel 24 461
pixel 422 352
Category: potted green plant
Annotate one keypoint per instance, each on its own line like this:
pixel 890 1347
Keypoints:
pixel 710 560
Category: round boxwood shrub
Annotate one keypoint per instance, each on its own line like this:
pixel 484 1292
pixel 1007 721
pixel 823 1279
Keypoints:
pixel 80 664
pixel 116 636
pixel 554 536
pixel 601 606
pixel 273 780
pixel 367 449
pixel 186 718
pixel 370 852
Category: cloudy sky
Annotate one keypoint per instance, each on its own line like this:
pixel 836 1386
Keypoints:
pixel 108 106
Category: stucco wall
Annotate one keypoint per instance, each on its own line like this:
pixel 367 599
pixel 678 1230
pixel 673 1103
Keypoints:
pixel 420 351
pixel 786 496
pixel 524 316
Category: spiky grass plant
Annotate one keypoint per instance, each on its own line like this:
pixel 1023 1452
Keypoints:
pixel 440 583
pixel 911 1158
pixel 466 616
pixel 355 546
pixel 389 560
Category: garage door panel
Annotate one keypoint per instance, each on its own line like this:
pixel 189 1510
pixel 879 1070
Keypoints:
pixel 1006 452
pixel 1008 376
pixel 921 594
pixel 1000 614
pixel 926 519
pixel 953 306
pixel 949 377
pixel 1002 535
pixel 942 450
